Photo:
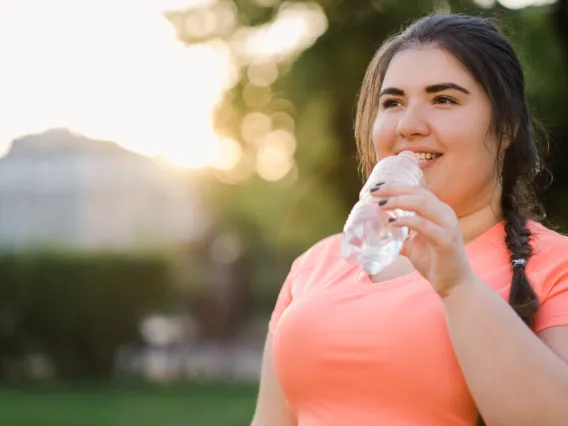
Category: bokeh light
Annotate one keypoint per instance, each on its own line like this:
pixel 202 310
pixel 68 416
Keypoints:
pixel 263 74
pixel 230 154
pixel 275 155
pixel 255 125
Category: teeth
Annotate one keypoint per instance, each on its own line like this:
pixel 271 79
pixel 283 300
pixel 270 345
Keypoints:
pixel 427 155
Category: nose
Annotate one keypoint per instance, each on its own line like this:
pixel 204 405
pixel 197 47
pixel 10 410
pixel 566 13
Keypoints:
pixel 413 123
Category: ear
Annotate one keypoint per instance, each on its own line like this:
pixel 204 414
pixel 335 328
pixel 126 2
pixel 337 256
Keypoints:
pixel 505 143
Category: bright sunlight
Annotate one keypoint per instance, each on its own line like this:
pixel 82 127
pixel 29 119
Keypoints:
pixel 110 70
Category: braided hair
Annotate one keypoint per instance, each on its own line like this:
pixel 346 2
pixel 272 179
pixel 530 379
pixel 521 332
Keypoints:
pixel 478 44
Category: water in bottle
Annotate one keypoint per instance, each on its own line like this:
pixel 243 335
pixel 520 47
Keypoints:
pixel 368 237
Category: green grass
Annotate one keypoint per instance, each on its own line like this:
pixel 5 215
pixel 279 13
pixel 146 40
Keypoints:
pixel 203 404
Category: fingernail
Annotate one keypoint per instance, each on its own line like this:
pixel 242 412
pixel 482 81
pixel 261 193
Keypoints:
pixel 382 202
pixel 391 219
pixel 377 187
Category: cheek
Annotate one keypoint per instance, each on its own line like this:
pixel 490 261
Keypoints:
pixel 384 135
pixel 468 169
pixel 465 135
pixel 466 175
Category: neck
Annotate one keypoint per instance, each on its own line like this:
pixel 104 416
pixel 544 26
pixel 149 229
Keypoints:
pixel 478 220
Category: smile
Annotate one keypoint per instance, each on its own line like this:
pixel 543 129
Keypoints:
pixel 427 155
pixel 427 159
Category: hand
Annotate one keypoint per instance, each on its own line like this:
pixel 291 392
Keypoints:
pixel 437 250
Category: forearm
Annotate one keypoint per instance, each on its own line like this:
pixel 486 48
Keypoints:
pixel 515 379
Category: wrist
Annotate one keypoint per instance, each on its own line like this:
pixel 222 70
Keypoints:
pixel 461 290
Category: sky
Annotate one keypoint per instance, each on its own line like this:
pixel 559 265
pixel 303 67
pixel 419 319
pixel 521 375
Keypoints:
pixel 114 70
pixel 109 69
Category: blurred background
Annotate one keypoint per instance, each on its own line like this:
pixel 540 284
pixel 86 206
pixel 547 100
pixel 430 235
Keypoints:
pixel 162 162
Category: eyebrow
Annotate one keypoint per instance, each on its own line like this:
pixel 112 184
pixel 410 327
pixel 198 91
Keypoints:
pixel 434 88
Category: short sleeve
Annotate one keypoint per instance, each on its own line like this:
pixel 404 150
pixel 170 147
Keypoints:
pixel 284 298
pixel 554 305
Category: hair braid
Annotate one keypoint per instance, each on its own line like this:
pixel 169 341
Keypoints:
pixel 522 296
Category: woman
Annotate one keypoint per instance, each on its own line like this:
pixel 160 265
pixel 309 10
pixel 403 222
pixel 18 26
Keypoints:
pixel 431 340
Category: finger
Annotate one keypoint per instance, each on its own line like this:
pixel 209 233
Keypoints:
pixel 433 232
pixel 391 189
pixel 428 207
pixel 426 204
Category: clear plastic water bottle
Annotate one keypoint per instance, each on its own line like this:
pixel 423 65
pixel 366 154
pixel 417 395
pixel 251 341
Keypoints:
pixel 368 237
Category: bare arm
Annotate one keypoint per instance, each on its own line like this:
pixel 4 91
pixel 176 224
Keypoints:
pixel 271 407
pixel 516 378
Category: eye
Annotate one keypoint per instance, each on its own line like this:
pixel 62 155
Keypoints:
pixel 390 103
pixel 445 100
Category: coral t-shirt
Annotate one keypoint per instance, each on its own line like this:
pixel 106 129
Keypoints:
pixel 351 352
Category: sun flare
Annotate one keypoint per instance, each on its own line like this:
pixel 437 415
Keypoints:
pixel 110 70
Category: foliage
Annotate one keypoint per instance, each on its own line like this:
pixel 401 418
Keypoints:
pixel 75 308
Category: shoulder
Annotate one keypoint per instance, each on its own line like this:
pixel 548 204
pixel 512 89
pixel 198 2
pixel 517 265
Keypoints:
pixel 318 264
pixel 548 274
pixel 326 248
pixel 549 264
pixel 548 243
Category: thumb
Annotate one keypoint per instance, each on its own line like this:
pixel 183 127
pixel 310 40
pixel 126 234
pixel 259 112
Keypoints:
pixel 409 245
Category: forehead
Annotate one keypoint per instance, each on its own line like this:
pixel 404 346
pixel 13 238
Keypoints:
pixel 423 66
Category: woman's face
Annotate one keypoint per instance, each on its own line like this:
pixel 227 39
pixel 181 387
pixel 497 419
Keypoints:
pixel 430 104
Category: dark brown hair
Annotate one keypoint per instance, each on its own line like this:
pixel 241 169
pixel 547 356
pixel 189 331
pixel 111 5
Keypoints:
pixel 491 60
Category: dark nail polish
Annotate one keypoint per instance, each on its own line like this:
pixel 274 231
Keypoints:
pixel 377 186
pixel 392 219
pixel 382 202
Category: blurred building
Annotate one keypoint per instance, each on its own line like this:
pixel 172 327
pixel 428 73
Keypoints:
pixel 59 188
